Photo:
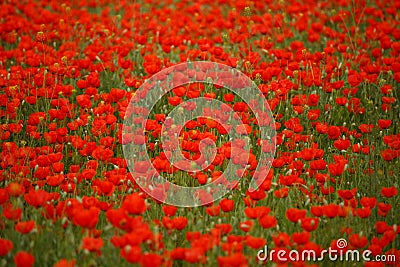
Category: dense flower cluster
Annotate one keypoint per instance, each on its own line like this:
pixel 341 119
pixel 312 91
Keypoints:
pixel 329 70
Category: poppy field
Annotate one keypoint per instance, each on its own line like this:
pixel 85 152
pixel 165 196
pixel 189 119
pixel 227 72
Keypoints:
pixel 326 176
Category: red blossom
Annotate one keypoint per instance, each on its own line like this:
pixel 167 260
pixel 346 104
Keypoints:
pixel 5 246
pixel 24 259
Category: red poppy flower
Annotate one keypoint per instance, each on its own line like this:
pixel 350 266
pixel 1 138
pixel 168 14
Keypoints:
pixel 255 242
pixel 235 259
pixel 256 212
pixel 331 210
pixel 366 128
pixel 354 80
pixel 131 254
pixel 102 153
pixel 389 191
pixel 281 239
pixel 267 221
pixel 134 204
pixel 358 241
pixel 257 194
pixel 384 124
pixel 4 197
pixel 151 260
pixel 363 212
pixel 55 180
pixel 5 246
pixel 86 218
pixel 336 169
pixel 92 244
pixel 246 226
pixel 381 227
pixel 11 213
pixel 43 161
pixel 333 132
pixel 224 228
pixel 342 144
pixel 389 154
pixel 65 263
pixel 295 215
pixel 318 164
pixel 179 91
pixel 383 209
pixel 194 255
pixel 313 114
pixel 169 210
pixel 84 101
pixel 174 100
pixel 25 227
pixel 37 198
pixel 179 223
pixel 142 166
pixel 369 202
pixel 15 189
pixel 282 192
pixel 24 259
pixel 309 224
pixel 213 210
pixel 226 205
pixel 178 253
pixel 117 217
pixel 301 237
pixel 347 194
pixel 341 101
pixel 322 128
pixel 244 129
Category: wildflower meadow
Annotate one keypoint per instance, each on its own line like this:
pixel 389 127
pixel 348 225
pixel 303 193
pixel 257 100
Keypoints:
pixel 199 133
